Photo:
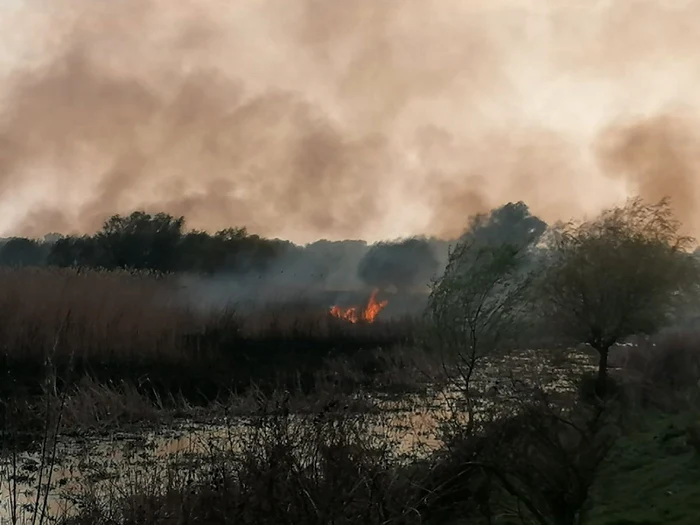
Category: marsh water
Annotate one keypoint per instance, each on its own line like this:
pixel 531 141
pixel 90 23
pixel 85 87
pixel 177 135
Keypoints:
pixel 115 462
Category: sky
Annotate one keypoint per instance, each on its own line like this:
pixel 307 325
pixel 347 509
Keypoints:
pixel 307 119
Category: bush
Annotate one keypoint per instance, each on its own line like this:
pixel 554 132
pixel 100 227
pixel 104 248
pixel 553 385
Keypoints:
pixel 660 372
pixel 588 385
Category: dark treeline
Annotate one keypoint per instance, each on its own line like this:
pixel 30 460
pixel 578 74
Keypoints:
pixel 161 243
pixel 142 241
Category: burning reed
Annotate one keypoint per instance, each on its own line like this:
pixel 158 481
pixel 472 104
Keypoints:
pixel 121 326
pixel 368 314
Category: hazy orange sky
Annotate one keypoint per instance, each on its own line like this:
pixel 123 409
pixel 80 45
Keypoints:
pixel 331 118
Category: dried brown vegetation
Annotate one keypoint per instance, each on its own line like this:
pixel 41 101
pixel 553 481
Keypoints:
pixel 99 334
pixel 325 467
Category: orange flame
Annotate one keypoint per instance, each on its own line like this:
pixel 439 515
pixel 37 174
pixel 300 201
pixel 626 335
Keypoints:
pixel 369 314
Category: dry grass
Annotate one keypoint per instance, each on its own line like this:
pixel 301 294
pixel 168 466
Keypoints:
pixel 327 466
pixel 88 314
pixel 124 345
pixel 94 406
pixel 136 316
pixel 315 459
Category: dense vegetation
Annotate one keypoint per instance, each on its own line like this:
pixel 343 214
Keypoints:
pixel 98 335
pixel 160 243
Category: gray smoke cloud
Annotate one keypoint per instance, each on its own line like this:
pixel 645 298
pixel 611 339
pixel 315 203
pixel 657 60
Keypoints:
pixel 323 271
pixel 313 119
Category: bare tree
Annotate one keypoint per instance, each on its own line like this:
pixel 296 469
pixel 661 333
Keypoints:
pixel 474 308
pixel 621 274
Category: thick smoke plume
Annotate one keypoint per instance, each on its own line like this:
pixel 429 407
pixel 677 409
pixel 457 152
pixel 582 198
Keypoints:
pixel 329 118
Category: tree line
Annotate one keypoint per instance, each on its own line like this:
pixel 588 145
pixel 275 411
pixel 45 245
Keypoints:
pixel 142 241
pixel 161 243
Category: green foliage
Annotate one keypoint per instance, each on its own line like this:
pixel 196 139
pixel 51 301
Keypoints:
pixel 231 250
pixel 158 242
pixel 618 275
pixel 141 241
pixel 624 273
pixel 76 251
pixel 650 477
pixel 481 300
pixel 19 251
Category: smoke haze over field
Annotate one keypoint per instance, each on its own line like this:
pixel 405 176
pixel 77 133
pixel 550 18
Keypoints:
pixel 343 119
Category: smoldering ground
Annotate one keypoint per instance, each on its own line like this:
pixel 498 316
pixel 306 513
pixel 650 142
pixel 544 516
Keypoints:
pixel 322 118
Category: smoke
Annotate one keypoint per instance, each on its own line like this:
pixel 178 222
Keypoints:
pixel 322 271
pixel 324 118
pixel 658 156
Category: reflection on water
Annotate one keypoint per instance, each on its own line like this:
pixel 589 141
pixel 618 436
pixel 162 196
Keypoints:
pixel 108 464
pixel 105 463
pixel 124 459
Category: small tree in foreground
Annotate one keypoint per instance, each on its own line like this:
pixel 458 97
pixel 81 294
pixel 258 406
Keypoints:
pixel 621 274
pixel 474 308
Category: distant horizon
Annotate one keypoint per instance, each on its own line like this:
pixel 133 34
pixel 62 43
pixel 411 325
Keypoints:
pixel 368 243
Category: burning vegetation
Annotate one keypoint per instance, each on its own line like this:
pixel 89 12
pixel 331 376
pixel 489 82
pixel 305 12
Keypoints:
pixel 368 314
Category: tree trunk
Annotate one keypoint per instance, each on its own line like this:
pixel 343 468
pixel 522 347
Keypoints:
pixel 601 387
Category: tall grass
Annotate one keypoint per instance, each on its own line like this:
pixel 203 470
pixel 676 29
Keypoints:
pixel 96 315
pixel 137 316
pixel 97 334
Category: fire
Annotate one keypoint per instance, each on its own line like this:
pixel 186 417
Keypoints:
pixel 349 314
pixel 373 308
pixel 368 315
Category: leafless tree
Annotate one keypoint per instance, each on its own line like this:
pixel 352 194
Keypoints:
pixel 475 307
